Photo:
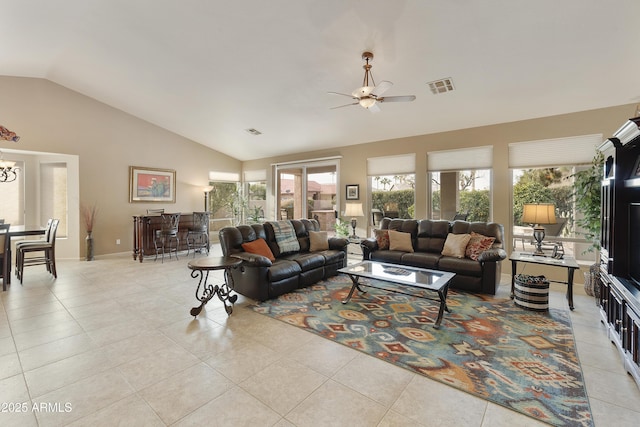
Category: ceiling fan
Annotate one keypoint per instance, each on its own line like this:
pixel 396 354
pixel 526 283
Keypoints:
pixel 370 96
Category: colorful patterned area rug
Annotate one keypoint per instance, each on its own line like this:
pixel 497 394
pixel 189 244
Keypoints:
pixel 520 359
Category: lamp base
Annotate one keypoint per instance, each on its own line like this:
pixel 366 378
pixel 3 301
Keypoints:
pixel 353 225
pixel 538 235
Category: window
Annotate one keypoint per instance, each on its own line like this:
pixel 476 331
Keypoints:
pixel 393 195
pixel 53 195
pixel 226 203
pixel 392 183
pixel 543 172
pixel 255 190
pixel 466 192
pixel 460 183
pixel 308 190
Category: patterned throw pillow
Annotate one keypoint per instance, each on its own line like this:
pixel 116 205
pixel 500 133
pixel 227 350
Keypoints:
pixel 455 245
pixel 382 237
pixel 259 247
pixel 478 244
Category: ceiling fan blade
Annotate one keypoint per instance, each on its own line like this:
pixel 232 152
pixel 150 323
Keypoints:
pixel 345 105
pixel 374 108
pixel 343 94
pixel 381 88
pixel 406 98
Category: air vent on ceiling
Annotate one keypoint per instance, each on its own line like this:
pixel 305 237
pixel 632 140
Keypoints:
pixel 441 86
pixel 253 131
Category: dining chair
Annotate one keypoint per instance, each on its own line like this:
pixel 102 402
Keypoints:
pixel 167 233
pixel 4 253
pixel 23 243
pixel 47 258
pixel 198 234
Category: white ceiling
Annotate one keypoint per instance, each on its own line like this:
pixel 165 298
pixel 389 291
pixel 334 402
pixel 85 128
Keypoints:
pixel 209 69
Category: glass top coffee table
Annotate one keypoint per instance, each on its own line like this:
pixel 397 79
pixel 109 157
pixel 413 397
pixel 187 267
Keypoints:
pixel 409 277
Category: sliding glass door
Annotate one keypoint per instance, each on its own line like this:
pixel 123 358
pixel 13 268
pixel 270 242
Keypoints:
pixel 308 190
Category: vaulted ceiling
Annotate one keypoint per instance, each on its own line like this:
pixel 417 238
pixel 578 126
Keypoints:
pixel 210 69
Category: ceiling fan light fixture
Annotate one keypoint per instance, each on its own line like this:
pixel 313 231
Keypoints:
pixel 367 102
pixel 363 91
pixel 369 95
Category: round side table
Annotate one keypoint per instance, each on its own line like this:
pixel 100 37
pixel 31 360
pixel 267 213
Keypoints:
pixel 205 290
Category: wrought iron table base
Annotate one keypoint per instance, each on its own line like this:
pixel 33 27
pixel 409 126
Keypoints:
pixel 205 290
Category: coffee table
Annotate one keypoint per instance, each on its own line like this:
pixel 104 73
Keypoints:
pixel 411 277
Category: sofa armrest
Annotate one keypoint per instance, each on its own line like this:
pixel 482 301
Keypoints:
pixel 253 260
pixel 368 245
pixel 492 255
pixel 338 243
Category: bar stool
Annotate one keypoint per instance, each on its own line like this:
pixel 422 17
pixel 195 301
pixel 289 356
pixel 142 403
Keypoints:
pixel 198 235
pixel 167 233
pixel 48 256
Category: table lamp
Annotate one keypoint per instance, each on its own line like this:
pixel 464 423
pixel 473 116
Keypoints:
pixel 353 210
pixel 537 214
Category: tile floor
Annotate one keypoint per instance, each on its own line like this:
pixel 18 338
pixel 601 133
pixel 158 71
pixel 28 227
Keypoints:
pixel 112 342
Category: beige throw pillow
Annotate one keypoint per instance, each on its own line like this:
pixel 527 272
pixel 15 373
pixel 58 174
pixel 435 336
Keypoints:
pixel 399 241
pixel 455 245
pixel 318 241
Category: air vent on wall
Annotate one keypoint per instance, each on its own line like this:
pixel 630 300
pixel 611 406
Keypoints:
pixel 253 131
pixel 441 86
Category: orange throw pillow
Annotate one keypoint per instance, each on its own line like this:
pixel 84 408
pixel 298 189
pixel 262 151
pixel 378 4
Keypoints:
pixel 259 247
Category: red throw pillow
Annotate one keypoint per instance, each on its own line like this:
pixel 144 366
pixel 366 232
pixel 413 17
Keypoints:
pixel 478 244
pixel 382 237
pixel 259 247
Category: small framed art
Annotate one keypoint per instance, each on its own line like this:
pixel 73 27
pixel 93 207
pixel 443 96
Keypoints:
pixel 152 185
pixel 353 192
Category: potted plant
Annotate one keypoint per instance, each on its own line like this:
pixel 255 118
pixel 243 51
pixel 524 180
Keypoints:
pixel 342 228
pixel 587 193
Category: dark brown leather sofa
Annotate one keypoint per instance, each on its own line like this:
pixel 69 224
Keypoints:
pixel 260 279
pixel 428 238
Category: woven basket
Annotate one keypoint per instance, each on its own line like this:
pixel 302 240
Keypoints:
pixel 531 292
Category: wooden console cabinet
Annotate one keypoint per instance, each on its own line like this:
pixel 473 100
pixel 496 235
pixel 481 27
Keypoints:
pixel 619 295
pixel 144 228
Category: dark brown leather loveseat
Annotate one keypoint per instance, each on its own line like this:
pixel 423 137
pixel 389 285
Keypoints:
pixel 428 238
pixel 260 279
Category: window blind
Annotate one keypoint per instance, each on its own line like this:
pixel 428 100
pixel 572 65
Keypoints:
pixel 256 175
pixel 577 150
pixel 216 176
pixel 391 165
pixel 460 159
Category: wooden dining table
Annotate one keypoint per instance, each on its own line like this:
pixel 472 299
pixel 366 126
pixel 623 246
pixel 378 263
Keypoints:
pixel 20 231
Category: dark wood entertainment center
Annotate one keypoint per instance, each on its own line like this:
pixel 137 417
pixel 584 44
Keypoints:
pixel 619 296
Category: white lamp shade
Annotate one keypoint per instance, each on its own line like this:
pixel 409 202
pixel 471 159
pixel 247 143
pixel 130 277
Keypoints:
pixel 353 209
pixel 539 213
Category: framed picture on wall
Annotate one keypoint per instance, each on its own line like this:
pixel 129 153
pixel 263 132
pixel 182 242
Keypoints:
pixel 152 185
pixel 353 192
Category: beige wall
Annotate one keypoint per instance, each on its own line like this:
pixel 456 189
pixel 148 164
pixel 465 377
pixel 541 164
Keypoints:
pixel 354 158
pixel 52 119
